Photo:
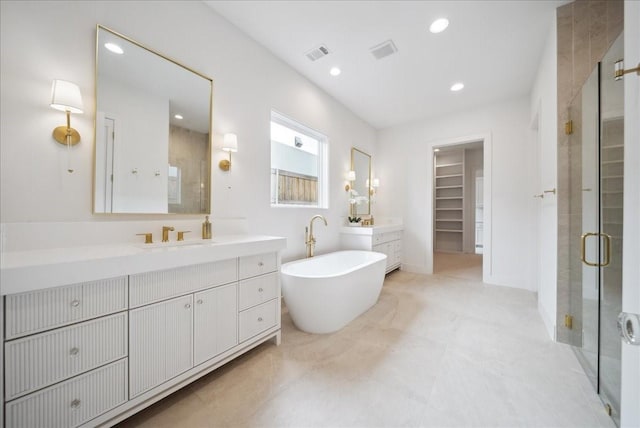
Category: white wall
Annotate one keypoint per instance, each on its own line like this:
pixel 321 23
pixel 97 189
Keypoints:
pixel 144 149
pixel 630 410
pixel 544 112
pixel 408 176
pixel 41 41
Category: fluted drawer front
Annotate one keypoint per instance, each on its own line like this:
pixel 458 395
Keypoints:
pixel 41 360
pixel 258 319
pixel 152 287
pixel 258 290
pixel 257 265
pixel 33 312
pixel 73 402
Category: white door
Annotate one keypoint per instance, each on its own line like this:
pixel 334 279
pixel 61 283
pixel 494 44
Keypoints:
pixel 215 322
pixel 630 379
pixel 161 345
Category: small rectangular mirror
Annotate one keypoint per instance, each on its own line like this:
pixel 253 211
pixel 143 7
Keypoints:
pixel 361 164
pixel 153 131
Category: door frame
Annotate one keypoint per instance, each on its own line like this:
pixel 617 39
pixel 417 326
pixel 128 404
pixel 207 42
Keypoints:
pixel 486 165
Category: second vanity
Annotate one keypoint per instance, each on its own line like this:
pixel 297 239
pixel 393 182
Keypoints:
pixel 386 239
pixel 92 335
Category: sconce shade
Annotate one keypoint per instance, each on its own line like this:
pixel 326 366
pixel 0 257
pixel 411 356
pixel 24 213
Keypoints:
pixel 230 143
pixel 65 96
pixel 351 176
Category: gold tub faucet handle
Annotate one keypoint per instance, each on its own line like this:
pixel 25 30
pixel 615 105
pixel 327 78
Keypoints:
pixel 181 234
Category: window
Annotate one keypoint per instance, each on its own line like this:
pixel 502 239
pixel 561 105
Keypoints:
pixel 298 164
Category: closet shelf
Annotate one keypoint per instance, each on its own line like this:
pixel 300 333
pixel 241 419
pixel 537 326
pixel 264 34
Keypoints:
pixel 449 230
pixel 612 176
pixel 616 146
pixel 611 162
pixel 448 187
pixel 448 197
pixel 449 164
pixel 448 176
pixel 612 192
pixel 448 209
pixel 449 219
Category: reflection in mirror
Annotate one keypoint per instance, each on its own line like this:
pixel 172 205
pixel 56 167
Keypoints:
pixel 153 131
pixel 361 164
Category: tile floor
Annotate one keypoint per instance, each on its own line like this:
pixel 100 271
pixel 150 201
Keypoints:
pixel 435 351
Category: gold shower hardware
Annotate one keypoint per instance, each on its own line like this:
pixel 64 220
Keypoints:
pixel 619 70
pixel 551 191
pixel 541 196
pixel 568 127
pixel 583 245
pixel 181 234
pixel 148 237
pixel 568 321
pixel 607 408
pixel 607 249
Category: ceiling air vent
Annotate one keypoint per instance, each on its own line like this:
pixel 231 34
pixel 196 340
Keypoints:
pixel 384 49
pixel 317 53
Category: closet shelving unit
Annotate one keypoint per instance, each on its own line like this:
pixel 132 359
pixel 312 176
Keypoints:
pixel 449 200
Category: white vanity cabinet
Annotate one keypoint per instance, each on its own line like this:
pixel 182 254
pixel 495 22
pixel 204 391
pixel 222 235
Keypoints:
pixel 386 239
pixel 161 343
pixel 93 353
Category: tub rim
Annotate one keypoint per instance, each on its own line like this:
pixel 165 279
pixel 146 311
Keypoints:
pixel 378 257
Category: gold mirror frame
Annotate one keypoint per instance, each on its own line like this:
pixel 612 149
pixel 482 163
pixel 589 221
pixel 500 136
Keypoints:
pixel 362 184
pixel 205 164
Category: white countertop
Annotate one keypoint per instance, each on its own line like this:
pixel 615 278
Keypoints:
pixel 370 230
pixel 22 271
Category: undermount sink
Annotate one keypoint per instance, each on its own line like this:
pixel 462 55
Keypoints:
pixel 175 244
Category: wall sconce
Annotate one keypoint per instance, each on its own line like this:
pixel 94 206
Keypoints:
pixel 230 145
pixel 375 183
pixel 65 96
pixel 351 177
pixel 619 70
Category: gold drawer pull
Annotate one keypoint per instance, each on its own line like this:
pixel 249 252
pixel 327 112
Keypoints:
pixel 260 264
pixel 187 306
pixel 74 351
pixel 75 303
pixel 260 290
pixel 259 319
pixel 75 404
pixel 199 301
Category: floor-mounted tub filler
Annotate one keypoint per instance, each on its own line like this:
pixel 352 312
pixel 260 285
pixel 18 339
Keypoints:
pixel 325 293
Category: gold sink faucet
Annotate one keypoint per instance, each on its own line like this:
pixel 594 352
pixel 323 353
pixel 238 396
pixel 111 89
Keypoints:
pixel 165 233
pixel 309 239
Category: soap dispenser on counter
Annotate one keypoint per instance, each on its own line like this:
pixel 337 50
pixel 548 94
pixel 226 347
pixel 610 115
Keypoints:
pixel 206 228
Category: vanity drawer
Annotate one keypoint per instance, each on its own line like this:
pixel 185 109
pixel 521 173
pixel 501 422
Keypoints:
pixel 258 265
pixel 255 320
pixel 380 238
pixel 37 361
pixel 33 312
pixel 150 287
pixel 71 403
pixel 258 290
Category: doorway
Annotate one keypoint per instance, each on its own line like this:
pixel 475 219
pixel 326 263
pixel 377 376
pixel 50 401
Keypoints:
pixel 458 210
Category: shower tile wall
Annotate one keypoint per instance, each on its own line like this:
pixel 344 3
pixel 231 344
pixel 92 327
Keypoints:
pixel 586 30
pixel 189 151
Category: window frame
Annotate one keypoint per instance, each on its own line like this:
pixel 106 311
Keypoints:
pixel 323 161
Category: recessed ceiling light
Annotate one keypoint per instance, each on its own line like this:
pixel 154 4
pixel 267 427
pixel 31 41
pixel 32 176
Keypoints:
pixel 439 25
pixel 178 116
pixel 335 71
pixel 457 86
pixel 114 48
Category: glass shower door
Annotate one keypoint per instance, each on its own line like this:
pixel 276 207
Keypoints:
pixel 596 176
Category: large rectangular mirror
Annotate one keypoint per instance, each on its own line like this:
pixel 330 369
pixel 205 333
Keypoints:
pixel 361 164
pixel 153 131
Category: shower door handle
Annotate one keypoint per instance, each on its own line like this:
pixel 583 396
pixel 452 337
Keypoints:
pixel 607 249
pixel 629 328
pixel 583 249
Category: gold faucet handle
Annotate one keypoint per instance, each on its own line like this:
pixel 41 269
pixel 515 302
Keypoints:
pixel 148 237
pixel 181 234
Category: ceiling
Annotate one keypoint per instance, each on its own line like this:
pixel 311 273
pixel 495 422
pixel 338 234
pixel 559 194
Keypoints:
pixel 493 47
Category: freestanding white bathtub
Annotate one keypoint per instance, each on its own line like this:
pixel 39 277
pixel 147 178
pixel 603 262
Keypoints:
pixel 325 293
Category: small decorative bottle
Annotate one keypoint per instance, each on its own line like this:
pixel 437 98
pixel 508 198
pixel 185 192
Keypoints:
pixel 206 228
